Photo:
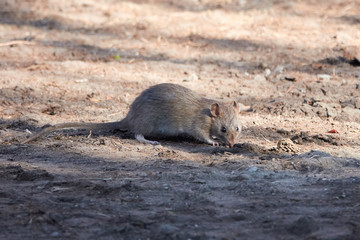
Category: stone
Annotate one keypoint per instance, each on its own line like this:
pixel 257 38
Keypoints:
pixel 253 169
pixel 323 77
pixel 357 103
pixel 259 78
pixel 352 113
pixel 327 109
pixel 267 72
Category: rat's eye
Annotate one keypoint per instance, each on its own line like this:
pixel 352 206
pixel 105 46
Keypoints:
pixel 237 129
pixel 223 129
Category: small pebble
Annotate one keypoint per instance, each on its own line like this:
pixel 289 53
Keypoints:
pixel 82 80
pixel 259 78
pixel 267 72
pixel 253 169
pixel 193 77
pixel 55 234
pixel 323 76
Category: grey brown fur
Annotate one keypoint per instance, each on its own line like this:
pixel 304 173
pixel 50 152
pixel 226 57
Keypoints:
pixel 168 110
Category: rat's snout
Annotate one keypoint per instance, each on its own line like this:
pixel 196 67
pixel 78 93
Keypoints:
pixel 232 141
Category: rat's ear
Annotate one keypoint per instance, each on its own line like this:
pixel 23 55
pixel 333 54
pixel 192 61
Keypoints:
pixel 215 110
pixel 236 106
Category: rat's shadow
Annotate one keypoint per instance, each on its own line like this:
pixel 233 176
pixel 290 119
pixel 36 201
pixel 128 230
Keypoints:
pixel 182 143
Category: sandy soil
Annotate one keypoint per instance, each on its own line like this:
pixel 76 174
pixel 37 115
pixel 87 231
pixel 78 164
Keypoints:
pixel 292 65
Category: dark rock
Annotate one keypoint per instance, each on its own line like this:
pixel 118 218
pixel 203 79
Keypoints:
pixel 303 226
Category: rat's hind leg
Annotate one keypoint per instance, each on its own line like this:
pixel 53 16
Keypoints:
pixel 141 139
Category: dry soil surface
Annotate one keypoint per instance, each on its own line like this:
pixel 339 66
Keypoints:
pixel 292 65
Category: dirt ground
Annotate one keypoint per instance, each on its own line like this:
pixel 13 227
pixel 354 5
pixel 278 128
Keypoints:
pixel 292 65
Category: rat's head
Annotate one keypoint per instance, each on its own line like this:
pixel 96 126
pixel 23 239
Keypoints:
pixel 226 125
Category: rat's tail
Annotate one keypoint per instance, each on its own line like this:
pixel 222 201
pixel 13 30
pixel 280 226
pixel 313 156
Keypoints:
pixel 121 125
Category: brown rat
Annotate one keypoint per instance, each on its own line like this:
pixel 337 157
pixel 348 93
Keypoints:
pixel 168 110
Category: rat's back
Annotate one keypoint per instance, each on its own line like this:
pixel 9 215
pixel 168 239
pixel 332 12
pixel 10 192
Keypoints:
pixel 164 110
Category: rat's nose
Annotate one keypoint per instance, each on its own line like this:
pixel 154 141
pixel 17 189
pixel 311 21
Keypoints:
pixel 232 141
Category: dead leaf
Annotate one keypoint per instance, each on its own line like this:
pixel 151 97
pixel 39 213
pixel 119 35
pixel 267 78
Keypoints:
pixel 333 131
